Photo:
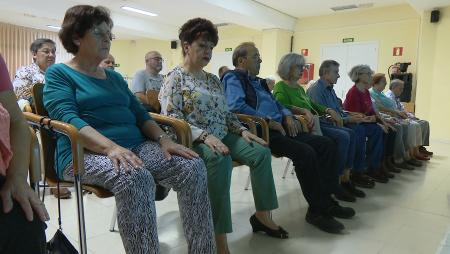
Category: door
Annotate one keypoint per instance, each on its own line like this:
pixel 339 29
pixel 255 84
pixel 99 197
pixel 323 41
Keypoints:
pixel 349 55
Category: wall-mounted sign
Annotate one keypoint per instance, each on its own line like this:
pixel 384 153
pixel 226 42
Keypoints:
pixel 346 40
pixel 228 49
pixel 304 52
pixel 397 51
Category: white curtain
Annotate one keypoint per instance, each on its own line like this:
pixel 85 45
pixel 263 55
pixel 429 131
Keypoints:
pixel 15 44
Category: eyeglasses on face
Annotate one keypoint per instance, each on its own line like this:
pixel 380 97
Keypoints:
pixel 99 34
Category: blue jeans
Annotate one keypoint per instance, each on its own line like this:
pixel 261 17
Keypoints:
pixel 345 140
pixel 367 154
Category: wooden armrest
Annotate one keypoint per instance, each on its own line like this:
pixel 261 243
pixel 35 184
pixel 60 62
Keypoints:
pixel 28 109
pixel 256 120
pixel 182 128
pixel 66 129
pixel 35 159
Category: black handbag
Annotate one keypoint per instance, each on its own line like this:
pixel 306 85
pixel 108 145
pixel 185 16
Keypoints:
pixel 59 244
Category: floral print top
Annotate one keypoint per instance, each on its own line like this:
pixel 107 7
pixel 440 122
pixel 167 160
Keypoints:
pixel 199 102
pixel 25 78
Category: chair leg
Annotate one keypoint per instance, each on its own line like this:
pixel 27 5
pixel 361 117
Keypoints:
pixel 248 182
pixel 81 221
pixel 113 220
pixel 287 168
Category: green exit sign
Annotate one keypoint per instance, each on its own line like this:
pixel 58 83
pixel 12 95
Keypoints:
pixel 228 49
pixel 345 40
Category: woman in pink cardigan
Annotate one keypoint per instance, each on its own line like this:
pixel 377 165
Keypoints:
pixel 22 214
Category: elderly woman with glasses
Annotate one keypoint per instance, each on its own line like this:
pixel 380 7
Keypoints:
pixel 289 93
pixel 126 151
pixel 196 96
pixel 358 101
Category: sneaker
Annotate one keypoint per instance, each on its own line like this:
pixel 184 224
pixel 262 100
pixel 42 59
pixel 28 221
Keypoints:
pixel 350 188
pixel 414 163
pixel 404 165
pixel 362 181
pixel 324 222
pixel 378 176
pixel 424 150
pixel 342 212
pixel 344 195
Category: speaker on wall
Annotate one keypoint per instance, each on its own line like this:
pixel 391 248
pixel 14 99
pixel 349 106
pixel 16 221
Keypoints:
pixel 173 44
pixel 435 16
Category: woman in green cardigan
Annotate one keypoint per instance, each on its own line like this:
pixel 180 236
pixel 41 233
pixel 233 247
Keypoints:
pixel 293 96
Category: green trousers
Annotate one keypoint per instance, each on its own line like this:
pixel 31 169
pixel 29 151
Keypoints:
pixel 257 157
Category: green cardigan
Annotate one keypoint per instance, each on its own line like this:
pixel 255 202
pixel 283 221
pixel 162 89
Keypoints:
pixel 289 96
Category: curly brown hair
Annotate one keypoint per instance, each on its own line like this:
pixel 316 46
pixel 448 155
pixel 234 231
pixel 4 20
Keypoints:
pixel 196 28
pixel 78 20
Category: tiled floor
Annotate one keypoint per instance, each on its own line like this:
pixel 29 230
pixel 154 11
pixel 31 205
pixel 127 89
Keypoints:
pixel 410 215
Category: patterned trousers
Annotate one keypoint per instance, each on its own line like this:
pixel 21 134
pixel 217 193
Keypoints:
pixel 135 192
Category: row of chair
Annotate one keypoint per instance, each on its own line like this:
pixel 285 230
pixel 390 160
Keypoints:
pixel 48 128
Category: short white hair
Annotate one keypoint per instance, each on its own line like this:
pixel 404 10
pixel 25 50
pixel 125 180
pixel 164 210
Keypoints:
pixel 396 82
pixel 358 70
pixel 286 64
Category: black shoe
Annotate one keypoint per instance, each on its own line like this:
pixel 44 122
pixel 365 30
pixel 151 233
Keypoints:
pixel 324 222
pixel 414 163
pixel 378 176
pixel 386 173
pixel 394 169
pixel 350 188
pixel 403 165
pixel 362 181
pixel 344 195
pixel 338 211
pixel 258 226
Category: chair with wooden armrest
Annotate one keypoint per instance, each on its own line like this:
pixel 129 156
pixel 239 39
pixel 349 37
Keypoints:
pixel 152 100
pixel 28 108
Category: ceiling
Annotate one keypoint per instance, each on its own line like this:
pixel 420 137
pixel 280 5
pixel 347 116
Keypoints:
pixel 255 14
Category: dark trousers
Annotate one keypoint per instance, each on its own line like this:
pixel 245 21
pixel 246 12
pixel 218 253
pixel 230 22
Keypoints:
pixel 315 165
pixel 17 234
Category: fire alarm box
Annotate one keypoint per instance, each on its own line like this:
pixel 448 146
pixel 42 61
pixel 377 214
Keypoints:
pixel 308 73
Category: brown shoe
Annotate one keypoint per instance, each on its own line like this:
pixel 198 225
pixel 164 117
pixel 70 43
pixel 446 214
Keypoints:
pixel 424 150
pixel 64 193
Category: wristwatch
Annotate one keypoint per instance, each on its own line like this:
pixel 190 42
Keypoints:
pixel 160 137
pixel 202 137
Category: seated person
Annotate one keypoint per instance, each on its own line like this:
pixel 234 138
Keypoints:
pixel 313 156
pixel 322 92
pixel 358 100
pixel 108 62
pixel 196 96
pixel 125 150
pixel 222 71
pixel 147 83
pixel 270 83
pixel 289 93
pixel 43 52
pixel 22 214
pixel 413 133
pixel 395 90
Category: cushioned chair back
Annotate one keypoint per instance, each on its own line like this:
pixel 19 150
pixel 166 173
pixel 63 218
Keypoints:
pixel 48 139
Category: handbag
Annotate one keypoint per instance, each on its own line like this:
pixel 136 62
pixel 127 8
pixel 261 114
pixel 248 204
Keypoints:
pixel 59 244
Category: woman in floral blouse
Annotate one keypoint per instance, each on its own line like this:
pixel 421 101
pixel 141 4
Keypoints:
pixel 197 97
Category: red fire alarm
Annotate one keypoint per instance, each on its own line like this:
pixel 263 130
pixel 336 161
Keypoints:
pixel 304 52
pixel 397 51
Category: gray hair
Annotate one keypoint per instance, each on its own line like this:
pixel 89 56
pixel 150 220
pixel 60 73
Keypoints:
pixel 357 70
pixel 395 83
pixel 326 66
pixel 241 51
pixel 38 43
pixel 287 62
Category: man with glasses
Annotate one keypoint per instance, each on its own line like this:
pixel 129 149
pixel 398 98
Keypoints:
pixel 147 83
pixel 43 51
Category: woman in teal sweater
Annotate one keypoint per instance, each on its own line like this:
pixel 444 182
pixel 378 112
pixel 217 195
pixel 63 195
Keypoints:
pixel 125 150
pixel 293 96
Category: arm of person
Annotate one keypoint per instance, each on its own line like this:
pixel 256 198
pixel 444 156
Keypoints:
pixel 235 96
pixel 21 84
pixel 138 86
pixel 16 186
pixel 142 97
